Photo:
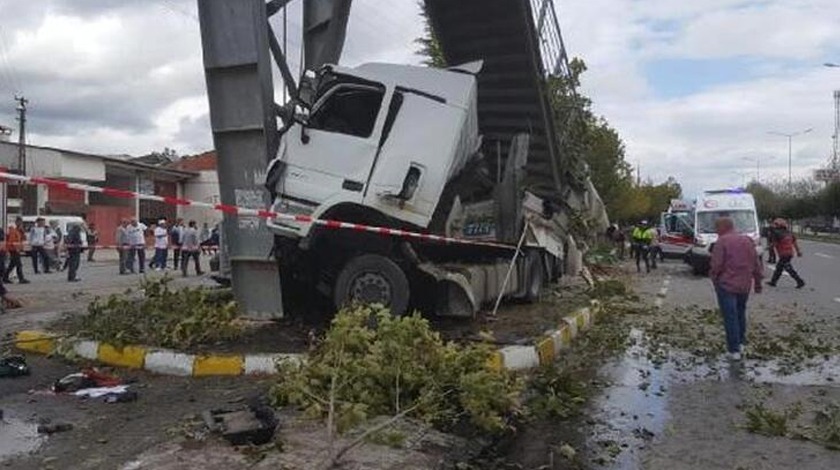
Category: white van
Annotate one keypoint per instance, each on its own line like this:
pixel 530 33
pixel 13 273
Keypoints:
pixel 734 203
pixel 63 222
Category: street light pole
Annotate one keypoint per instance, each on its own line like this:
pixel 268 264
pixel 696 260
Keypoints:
pixel 757 166
pixel 790 136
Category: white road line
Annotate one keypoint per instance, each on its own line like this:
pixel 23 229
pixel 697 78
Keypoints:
pixel 823 255
pixel 772 267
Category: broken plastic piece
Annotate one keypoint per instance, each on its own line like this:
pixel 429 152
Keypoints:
pixel 13 366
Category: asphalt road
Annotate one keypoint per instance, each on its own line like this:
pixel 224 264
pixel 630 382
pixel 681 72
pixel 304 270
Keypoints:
pixel 699 421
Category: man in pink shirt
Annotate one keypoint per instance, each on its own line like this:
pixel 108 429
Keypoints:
pixel 735 271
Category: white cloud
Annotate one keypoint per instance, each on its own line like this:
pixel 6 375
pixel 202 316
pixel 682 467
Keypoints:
pixel 126 77
pixel 702 138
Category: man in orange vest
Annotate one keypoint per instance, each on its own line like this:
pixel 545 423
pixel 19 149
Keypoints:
pixel 14 245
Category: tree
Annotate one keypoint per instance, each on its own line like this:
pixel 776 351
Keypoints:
pixel 429 44
pixel 831 200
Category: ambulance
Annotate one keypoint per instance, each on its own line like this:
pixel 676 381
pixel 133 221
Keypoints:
pixel 676 229
pixel 737 204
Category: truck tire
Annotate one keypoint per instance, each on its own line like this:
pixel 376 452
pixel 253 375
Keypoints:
pixel 372 279
pixel 535 277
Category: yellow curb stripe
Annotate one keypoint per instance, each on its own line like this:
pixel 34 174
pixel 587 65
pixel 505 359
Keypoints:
pixel 218 365
pixel 35 341
pixel 580 321
pixel 495 362
pixel 545 350
pixel 565 336
pixel 132 357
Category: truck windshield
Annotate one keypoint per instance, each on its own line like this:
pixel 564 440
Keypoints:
pixel 348 109
pixel 744 221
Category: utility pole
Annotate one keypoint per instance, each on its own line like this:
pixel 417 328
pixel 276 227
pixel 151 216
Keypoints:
pixel 21 109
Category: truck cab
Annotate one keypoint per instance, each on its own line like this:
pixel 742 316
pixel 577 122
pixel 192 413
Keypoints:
pixel 382 139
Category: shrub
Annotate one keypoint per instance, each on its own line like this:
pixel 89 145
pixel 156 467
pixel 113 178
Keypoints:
pixel 161 316
pixel 372 364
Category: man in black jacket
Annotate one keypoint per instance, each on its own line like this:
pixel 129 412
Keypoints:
pixel 74 252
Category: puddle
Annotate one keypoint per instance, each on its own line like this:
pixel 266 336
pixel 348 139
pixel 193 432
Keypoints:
pixel 815 372
pixel 633 410
pixel 17 436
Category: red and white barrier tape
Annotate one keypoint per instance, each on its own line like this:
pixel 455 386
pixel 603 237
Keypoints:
pixel 242 211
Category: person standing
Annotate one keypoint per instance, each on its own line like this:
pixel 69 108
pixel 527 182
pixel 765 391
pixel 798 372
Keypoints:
pixel 191 248
pixel 137 242
pixel 2 253
pixel 93 239
pixel 14 245
pixel 37 238
pixel 161 246
pixel 74 252
pixel 176 234
pixel 52 241
pixel 735 270
pixel 123 245
pixel 642 238
pixel 654 250
pixel 203 236
pixel 785 245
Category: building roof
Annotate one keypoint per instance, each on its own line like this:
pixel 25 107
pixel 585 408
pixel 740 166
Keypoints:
pixel 118 162
pixel 206 161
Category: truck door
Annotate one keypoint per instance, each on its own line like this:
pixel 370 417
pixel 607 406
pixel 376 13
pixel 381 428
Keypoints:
pixel 331 156
pixel 418 147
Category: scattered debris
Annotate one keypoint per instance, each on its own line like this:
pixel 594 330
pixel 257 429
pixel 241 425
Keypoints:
pixel 86 379
pixel 254 426
pixel 13 366
pixel 54 428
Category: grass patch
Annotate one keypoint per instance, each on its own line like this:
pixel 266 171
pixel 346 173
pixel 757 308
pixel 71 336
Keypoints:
pixel 158 315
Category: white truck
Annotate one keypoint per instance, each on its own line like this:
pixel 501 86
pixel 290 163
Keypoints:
pixel 399 146
pixel 711 205
pixel 472 152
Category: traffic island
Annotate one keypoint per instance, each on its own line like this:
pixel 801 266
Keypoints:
pixel 178 363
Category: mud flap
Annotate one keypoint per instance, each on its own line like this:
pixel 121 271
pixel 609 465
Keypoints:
pixel 456 297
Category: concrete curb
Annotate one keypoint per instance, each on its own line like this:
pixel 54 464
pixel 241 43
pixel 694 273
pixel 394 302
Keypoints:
pixel 156 360
pixel 169 362
pixel 549 346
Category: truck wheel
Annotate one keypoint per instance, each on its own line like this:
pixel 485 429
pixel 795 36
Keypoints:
pixel 536 277
pixel 372 279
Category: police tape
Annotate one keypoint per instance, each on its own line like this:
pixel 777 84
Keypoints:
pixel 248 212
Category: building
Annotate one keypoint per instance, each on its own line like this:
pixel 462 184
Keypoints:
pixel 204 187
pixel 97 170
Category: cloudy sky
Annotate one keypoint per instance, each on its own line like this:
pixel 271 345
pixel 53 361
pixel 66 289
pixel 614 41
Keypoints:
pixel 693 87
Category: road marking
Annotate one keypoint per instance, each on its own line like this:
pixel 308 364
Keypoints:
pixel 772 267
pixel 823 255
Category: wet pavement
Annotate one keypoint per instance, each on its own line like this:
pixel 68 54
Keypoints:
pixel 18 436
pixel 672 409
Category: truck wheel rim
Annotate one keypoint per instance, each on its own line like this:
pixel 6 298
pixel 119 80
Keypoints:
pixel 371 288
